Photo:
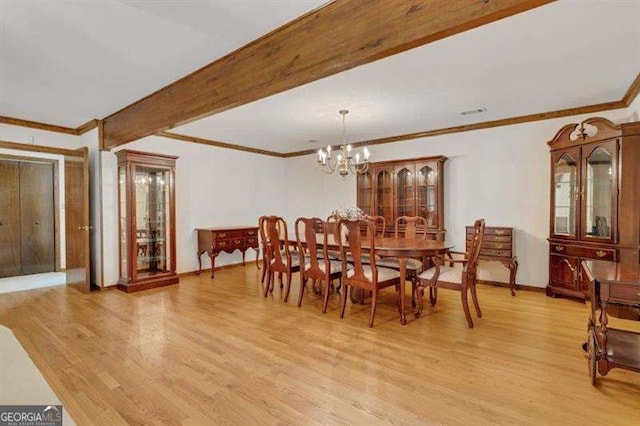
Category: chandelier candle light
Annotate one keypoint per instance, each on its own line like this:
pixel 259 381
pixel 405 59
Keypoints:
pixel 345 162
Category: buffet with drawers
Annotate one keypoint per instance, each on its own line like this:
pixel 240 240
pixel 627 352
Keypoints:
pixel 214 241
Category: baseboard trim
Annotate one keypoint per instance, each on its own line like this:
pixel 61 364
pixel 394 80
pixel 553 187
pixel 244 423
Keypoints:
pixel 518 286
pixel 208 270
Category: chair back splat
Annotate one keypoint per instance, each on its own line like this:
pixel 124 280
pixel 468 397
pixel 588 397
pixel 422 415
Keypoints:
pixel 414 227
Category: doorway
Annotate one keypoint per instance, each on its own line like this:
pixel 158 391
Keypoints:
pixel 44 217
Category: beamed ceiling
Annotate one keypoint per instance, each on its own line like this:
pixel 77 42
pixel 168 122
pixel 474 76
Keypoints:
pixel 71 62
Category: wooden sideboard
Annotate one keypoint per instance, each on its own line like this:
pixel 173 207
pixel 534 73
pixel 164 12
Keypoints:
pixel 214 241
pixel 498 244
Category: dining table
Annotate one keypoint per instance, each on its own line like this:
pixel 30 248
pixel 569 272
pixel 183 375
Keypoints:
pixel 395 247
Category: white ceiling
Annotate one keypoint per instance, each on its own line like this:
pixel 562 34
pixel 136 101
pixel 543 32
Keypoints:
pixel 67 62
pixel 562 55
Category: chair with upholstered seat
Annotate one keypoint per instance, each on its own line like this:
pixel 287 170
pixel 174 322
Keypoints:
pixel 366 276
pixel 320 269
pixel 408 227
pixel 281 259
pixel 455 274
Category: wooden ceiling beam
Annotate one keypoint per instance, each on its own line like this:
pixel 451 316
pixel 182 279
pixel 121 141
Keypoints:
pixel 339 36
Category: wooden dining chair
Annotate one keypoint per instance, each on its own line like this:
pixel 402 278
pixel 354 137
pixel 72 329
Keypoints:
pixel 455 274
pixel 366 276
pixel 409 227
pixel 265 246
pixel 281 259
pixel 320 269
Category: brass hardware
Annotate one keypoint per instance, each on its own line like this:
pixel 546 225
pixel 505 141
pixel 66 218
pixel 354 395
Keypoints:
pixel 237 241
pixel 499 246
pixel 222 235
pixel 252 232
pixel 560 248
pixel 222 243
pixel 601 253
pixel 499 232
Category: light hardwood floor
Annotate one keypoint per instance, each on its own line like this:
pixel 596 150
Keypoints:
pixel 216 351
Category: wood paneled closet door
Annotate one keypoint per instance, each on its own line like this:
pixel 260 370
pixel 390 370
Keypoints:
pixel 37 229
pixel 10 264
pixel 77 229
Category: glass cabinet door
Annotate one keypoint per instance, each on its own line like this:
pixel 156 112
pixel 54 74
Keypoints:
pixel 365 193
pixel 427 196
pixel 565 194
pixel 122 200
pixel 405 200
pixel 384 194
pixel 599 190
pixel 151 221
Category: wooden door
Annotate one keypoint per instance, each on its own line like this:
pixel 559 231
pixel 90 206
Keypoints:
pixel 37 225
pixel 9 219
pixel 76 184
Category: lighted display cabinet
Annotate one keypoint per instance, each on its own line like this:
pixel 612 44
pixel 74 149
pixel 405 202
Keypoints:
pixel 595 206
pixel 147 216
pixel 412 187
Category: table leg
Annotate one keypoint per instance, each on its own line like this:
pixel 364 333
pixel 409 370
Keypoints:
pixel 213 264
pixel 403 275
pixel 199 262
pixel 257 257
pixel 243 254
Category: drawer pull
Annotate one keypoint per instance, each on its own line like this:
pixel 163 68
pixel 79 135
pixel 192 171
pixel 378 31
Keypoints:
pixel 499 246
pixel 251 240
pixel 237 241
pixel 222 235
pixel 559 248
pixel 601 253
pixel 499 232
pixel 252 232
pixel 222 243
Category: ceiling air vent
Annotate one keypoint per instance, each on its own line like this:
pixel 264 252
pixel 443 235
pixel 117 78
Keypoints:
pixel 474 111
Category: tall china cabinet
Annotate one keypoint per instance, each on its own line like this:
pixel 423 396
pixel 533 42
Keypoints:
pixel 147 217
pixel 413 187
pixel 595 200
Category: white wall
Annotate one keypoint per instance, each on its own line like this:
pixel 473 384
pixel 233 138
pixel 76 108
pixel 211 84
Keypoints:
pixel 500 174
pixel 214 187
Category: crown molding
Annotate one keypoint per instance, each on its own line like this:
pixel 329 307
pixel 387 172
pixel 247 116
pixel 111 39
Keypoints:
pixel 37 125
pixel 89 125
pixel 632 92
pixel 219 144
pixel 481 125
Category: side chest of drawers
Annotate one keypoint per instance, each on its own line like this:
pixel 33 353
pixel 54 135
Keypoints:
pixel 498 244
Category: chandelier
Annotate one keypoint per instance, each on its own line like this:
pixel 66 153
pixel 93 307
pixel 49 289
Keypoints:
pixel 345 161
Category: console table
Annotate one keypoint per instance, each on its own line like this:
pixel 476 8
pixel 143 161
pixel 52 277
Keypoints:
pixel 213 241
pixel 498 244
